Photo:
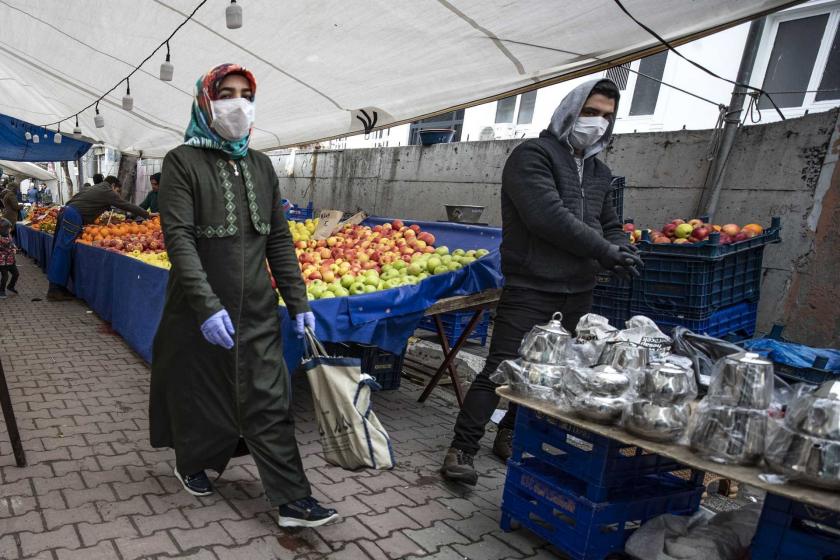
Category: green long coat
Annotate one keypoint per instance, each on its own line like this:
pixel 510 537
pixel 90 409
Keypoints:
pixel 220 224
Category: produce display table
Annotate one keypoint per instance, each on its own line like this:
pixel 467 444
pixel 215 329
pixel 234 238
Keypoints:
pixel 747 475
pixel 477 303
pixel 130 294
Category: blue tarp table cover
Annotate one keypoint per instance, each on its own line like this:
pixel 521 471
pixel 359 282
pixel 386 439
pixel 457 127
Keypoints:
pixel 15 147
pixel 130 294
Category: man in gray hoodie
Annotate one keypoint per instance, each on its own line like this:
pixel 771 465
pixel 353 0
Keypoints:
pixel 559 229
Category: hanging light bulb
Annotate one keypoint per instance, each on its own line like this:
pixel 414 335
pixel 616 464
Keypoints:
pixel 27 135
pixel 98 120
pixel 127 101
pixel 233 15
pixel 167 69
pixel 57 135
pixel 36 139
pixel 77 130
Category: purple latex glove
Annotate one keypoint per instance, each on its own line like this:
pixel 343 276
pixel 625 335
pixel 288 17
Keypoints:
pixel 304 321
pixel 218 329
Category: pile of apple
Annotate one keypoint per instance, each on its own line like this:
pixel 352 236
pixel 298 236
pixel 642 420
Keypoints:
pixel 143 240
pixel 361 259
pixel 695 231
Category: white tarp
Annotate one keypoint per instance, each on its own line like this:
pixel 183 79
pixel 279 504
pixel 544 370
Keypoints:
pixel 316 61
pixel 23 170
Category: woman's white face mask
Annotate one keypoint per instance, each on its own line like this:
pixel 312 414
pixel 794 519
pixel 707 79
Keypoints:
pixel 587 131
pixel 232 118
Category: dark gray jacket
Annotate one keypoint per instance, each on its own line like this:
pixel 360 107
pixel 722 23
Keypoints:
pixel 554 225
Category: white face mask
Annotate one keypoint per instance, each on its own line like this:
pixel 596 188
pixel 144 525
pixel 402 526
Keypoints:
pixel 232 118
pixel 587 131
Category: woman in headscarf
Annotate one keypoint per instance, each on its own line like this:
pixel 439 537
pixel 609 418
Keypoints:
pixel 218 374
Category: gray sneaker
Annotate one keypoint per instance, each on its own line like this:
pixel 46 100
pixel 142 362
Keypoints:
pixel 458 467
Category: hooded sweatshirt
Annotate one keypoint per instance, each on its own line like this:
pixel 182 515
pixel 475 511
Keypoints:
pixel 557 220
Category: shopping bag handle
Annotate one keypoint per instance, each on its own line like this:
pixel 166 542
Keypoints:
pixel 312 347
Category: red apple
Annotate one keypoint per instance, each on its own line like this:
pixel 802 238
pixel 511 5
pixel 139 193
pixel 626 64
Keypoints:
pixel 669 230
pixel 414 227
pixel 700 233
pixel 629 227
pixel 731 229
pixel 397 224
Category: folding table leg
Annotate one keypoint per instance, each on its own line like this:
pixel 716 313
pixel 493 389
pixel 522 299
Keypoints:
pixel 11 423
pixel 447 360
pixel 453 369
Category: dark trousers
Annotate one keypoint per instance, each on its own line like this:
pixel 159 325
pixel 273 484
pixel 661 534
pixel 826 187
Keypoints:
pixel 8 273
pixel 519 309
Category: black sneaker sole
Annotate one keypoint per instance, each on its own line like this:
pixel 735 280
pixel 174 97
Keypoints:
pixel 469 478
pixel 293 522
pixel 187 488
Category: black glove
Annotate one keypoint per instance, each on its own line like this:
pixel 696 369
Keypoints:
pixel 617 257
pixel 629 248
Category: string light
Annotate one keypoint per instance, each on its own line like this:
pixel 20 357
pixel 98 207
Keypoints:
pixel 57 135
pixel 77 131
pixel 127 100
pixel 27 135
pixel 167 69
pixel 98 120
pixel 233 15
pixel 36 139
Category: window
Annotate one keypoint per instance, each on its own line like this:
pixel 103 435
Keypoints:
pixel 799 59
pixel 452 119
pixel 646 92
pixel 792 60
pixel 504 109
pixel 526 107
pixel 619 75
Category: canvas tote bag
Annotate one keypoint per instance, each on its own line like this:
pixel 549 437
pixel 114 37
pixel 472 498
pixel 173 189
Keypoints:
pixel 351 434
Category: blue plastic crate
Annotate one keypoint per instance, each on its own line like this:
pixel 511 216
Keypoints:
pixel 735 321
pixel 697 279
pixel 383 366
pixel 300 214
pixel 454 324
pixel 600 463
pixel 789 530
pixel 553 506
pixel 611 298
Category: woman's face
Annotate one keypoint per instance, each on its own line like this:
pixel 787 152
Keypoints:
pixel 234 86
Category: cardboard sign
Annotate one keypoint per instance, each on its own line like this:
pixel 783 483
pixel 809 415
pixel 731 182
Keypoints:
pixel 328 222
pixel 353 220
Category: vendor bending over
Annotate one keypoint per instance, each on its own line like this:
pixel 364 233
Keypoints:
pixel 83 209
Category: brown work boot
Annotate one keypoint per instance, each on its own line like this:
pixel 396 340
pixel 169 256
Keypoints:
pixel 502 445
pixel 458 467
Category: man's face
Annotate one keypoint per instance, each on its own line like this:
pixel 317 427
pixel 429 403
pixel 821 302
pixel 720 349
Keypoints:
pixel 116 188
pixel 599 105
pixel 154 184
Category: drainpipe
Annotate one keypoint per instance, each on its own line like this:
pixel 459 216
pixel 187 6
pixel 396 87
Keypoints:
pixel 714 181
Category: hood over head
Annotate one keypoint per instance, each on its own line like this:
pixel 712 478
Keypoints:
pixel 564 117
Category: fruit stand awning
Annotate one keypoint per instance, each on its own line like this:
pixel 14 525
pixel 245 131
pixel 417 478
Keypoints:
pixel 14 145
pixel 318 63
pixel 25 170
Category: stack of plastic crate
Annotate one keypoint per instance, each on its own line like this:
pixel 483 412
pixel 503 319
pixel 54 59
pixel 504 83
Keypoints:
pixel 585 493
pixel 789 530
pixel 454 324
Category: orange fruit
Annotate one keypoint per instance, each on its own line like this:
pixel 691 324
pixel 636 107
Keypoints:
pixel 755 228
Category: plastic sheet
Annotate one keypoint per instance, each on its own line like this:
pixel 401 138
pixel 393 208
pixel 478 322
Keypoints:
pixel 598 394
pixel 728 435
pixel 642 331
pixel 795 355
pixel 539 381
pixel 703 350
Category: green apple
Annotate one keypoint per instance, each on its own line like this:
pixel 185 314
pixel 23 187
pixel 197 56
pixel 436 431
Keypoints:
pixel 326 295
pixel 310 296
pixel 415 269
pixel 347 280
pixel 411 280
pixel 386 268
pixel 467 260
pixel 433 263
pixel 318 282
pixel 455 266
pixel 446 259
pixel 403 272
pixel 371 273
pixel 422 275
pixel 442 250
pixel 341 292
pixel 441 269
pixel 357 288
pixel 481 253
pixel 372 280
pixel 458 252
pixel 399 265
pixel 316 291
pixel 470 253
pixel 381 284
pixel 389 274
pixel 369 289
pixel 392 283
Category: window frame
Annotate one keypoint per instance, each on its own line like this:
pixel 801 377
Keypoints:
pixel 768 39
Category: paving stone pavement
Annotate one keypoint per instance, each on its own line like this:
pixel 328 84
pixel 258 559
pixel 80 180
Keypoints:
pixel 95 489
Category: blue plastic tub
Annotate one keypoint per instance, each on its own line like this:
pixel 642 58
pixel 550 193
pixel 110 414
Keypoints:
pixel 603 465
pixel 383 366
pixel 698 279
pixel 299 214
pixel 454 324
pixel 554 507
pixel 789 530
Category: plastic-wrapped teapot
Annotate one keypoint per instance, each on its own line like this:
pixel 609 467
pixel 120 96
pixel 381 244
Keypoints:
pixel 546 344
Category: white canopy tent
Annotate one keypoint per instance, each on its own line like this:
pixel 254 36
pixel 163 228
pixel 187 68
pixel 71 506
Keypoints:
pixel 24 170
pixel 318 61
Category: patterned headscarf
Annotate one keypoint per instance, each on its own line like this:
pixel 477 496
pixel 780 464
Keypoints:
pixel 199 133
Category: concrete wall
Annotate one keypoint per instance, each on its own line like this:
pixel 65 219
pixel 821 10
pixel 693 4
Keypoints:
pixel 782 169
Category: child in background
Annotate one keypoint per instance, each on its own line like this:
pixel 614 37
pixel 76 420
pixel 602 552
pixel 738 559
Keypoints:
pixel 8 268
